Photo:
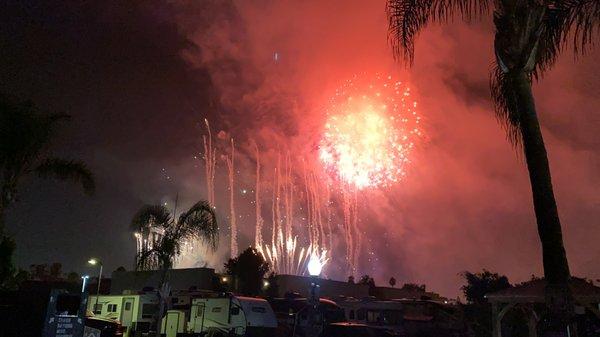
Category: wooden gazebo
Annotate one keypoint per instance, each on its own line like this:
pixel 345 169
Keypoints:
pixel 528 294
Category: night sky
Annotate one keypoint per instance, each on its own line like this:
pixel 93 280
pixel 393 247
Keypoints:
pixel 139 78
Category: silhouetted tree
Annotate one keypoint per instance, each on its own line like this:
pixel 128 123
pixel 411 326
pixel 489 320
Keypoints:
pixel 248 270
pixel 392 282
pixel 55 271
pixel 73 277
pixel 479 284
pixel 26 134
pixel 351 279
pixel 273 289
pixel 369 281
pixel 478 312
pixel 199 222
pixel 529 37
pixel 14 281
pixel 414 287
pixel 7 248
pixel 39 272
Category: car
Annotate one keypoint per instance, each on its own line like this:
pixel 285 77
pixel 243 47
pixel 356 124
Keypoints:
pixel 102 327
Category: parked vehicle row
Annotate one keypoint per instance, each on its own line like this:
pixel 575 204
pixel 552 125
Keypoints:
pixel 229 315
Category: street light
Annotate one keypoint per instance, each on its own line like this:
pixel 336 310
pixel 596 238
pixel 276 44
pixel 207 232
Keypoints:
pixel 94 261
pixel 315 266
pixel 84 278
pixel 315 320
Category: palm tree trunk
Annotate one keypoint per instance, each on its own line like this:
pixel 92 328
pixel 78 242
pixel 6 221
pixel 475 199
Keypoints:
pixel 556 267
pixel 161 300
pixel 3 207
pixel 1 217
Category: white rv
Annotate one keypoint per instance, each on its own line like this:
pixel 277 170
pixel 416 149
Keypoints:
pixel 134 312
pixel 243 316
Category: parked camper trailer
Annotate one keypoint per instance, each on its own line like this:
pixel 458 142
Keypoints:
pixel 134 312
pixel 386 314
pixel 242 316
pixel 292 314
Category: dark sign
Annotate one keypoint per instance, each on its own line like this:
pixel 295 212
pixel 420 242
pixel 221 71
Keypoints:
pixel 65 315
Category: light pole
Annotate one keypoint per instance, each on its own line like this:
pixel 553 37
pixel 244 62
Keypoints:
pixel 94 261
pixel 84 278
pixel 315 322
pixel 314 270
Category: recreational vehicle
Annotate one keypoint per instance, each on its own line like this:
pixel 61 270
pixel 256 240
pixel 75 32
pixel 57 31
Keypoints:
pixel 388 314
pixel 134 312
pixel 293 315
pixel 242 316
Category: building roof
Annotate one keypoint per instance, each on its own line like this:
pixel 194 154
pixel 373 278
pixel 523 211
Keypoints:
pixel 533 292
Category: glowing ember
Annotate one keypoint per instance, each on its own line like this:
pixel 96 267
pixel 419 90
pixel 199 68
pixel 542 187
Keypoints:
pixel 369 133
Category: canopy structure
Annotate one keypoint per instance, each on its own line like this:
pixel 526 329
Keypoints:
pixel 528 294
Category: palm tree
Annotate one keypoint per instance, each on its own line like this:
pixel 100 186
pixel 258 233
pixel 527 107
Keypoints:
pixel 25 138
pixel 530 35
pixel 199 222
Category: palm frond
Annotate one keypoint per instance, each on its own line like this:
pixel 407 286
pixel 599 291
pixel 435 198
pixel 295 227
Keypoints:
pixel 64 169
pixel 147 259
pixel 25 133
pixel 583 20
pixel 154 258
pixel 406 18
pixel 150 215
pixel 200 221
pixel 567 22
pixel 507 111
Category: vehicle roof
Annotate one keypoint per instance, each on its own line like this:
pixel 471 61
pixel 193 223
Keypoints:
pixel 100 318
pixel 372 304
pixel 295 304
pixel 302 299
pixel 132 295
pixel 348 324
pixel 251 299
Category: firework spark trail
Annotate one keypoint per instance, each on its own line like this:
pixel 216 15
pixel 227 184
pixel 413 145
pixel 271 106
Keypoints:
pixel 328 204
pixel 355 229
pixel 284 254
pixel 348 229
pixel 309 224
pixel 233 223
pixel 210 160
pixel 289 210
pixel 258 241
pixel 273 218
pixel 279 233
pixel 289 197
pixel 319 214
pixel 312 206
